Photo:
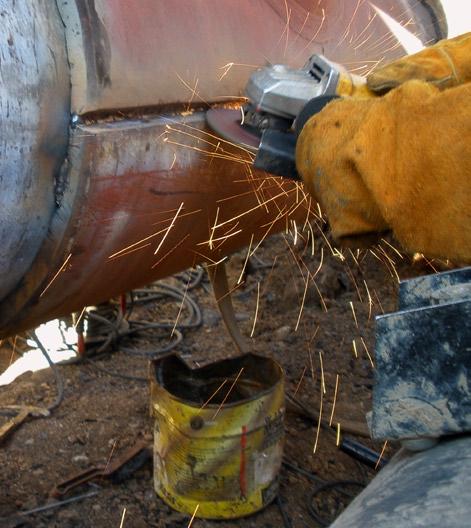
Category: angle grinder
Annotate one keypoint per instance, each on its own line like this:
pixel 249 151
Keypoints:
pixel 281 100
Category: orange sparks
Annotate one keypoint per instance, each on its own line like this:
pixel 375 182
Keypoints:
pixel 239 280
pixel 61 269
pixel 121 524
pixel 256 310
pixel 228 67
pixel 381 454
pixel 79 318
pixel 302 303
pixel 181 307
pixel 322 372
pixel 370 300
pixel 127 248
pixel 167 231
pixel 335 401
pixel 193 91
pixel 193 516
pixel 300 381
pixel 355 351
pixel 213 394
pixel 124 254
pixel 228 393
pixel 170 251
pixel 354 314
pixel 308 45
pixel 115 443
pixel 337 441
pixel 319 423
pixel 367 352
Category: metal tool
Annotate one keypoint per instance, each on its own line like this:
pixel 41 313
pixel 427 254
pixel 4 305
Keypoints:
pixel 118 469
pixel 281 100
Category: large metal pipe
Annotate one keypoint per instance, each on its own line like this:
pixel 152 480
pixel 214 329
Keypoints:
pixel 137 169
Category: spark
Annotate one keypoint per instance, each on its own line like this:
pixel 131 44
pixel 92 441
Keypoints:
pixel 302 303
pixel 295 238
pixel 192 90
pixel 113 257
pixel 324 307
pixel 256 310
pixel 347 30
pixel 239 280
pixel 217 145
pixel 164 221
pixel 322 372
pixel 364 31
pixel 79 318
pixel 315 35
pixel 208 153
pixel 408 40
pixel 213 394
pixel 300 29
pixel 354 258
pixel 311 363
pixel 193 516
pixel 172 223
pixel 370 300
pixel 115 443
pixel 352 278
pixel 381 454
pixel 127 248
pixel 205 133
pixel 320 264
pixel 213 262
pixel 121 524
pixel 228 67
pixel 300 381
pixel 288 17
pixel 223 238
pixel 173 162
pixel 393 248
pixel 337 440
pixel 230 292
pixel 354 314
pixel 335 400
pixel 181 307
pixel 319 423
pixel 273 198
pixel 62 268
pixel 228 392
pixel 379 302
pixel 313 247
pixel 355 348
pixel 13 350
pixel 367 352
pixel 171 251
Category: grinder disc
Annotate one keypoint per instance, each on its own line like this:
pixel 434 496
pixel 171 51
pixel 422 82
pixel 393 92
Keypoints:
pixel 227 124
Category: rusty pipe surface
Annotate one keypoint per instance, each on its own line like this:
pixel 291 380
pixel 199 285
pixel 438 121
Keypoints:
pixel 109 178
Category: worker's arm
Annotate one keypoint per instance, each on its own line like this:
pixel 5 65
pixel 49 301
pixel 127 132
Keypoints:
pixel 399 162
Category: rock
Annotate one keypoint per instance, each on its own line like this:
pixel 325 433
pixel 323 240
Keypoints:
pixel 282 333
pixel 81 459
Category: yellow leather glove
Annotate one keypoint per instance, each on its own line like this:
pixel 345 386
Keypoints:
pixel 400 162
pixel 445 64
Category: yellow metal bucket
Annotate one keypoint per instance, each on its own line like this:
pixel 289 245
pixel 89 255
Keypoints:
pixel 218 435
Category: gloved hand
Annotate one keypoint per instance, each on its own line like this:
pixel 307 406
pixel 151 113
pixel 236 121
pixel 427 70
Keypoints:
pixel 445 64
pixel 400 162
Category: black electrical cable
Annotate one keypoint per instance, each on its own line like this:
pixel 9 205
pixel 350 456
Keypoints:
pixel 55 370
pixel 120 327
pixel 337 485
pixel 284 515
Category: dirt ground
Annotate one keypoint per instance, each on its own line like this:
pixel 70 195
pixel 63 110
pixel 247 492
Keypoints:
pixel 102 414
